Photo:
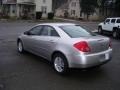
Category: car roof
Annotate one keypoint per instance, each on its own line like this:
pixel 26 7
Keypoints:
pixel 56 24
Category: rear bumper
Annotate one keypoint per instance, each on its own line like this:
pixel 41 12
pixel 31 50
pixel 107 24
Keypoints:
pixel 91 60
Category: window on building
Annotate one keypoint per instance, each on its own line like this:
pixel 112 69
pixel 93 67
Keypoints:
pixel 44 9
pixel 73 4
pixel 44 1
pixel 72 12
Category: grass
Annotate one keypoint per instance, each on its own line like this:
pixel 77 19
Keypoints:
pixel 43 20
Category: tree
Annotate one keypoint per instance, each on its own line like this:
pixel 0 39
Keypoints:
pixel 101 4
pixel 88 6
pixel 117 7
pixel 0 6
pixel 58 3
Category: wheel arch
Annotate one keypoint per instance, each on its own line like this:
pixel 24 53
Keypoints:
pixel 59 52
pixel 99 25
pixel 18 40
pixel 115 28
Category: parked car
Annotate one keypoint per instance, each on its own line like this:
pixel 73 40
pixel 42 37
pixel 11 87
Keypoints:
pixel 111 25
pixel 66 45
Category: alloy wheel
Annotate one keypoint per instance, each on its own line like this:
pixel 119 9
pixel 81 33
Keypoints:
pixel 59 64
pixel 20 47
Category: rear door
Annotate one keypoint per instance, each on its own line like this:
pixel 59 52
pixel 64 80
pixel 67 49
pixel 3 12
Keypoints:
pixel 48 41
pixel 112 24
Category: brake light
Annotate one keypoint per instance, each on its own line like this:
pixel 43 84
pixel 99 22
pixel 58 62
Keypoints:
pixel 82 46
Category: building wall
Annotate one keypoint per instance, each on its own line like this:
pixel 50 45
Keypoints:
pixel 20 1
pixel 9 1
pixel 74 8
pixel 44 6
pixel 59 12
pixel 12 10
pixel 17 7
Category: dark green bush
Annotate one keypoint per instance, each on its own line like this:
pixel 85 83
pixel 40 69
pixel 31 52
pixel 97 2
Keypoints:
pixel 50 15
pixel 5 17
pixel 38 15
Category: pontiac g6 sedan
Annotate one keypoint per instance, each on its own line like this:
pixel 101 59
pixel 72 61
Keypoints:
pixel 66 45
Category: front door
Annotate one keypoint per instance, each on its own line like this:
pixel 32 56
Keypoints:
pixel 31 39
pixel 106 25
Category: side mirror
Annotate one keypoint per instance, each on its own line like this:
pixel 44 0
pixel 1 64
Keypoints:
pixel 27 33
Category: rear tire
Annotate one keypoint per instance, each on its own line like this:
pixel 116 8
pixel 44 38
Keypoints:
pixel 60 63
pixel 100 31
pixel 115 34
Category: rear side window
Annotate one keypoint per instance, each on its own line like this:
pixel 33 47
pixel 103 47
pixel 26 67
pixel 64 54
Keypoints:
pixel 49 31
pixel 118 20
pixel 75 31
pixel 54 33
pixel 113 20
pixel 107 20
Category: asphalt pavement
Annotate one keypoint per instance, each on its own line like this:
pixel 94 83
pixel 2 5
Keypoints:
pixel 30 72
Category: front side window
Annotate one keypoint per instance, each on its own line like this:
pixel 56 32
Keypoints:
pixel 45 31
pixel 75 31
pixel 107 20
pixel 35 30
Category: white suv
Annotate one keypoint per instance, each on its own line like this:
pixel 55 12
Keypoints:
pixel 111 25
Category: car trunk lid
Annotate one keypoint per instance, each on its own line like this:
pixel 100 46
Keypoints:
pixel 96 43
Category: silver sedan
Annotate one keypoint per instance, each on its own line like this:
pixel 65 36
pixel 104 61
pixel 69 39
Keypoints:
pixel 66 45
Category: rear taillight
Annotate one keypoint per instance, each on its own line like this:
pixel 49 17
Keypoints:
pixel 110 44
pixel 82 46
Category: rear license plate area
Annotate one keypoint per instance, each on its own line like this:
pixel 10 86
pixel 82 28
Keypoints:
pixel 102 57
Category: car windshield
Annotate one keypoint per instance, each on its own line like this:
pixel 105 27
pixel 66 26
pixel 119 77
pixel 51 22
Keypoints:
pixel 75 31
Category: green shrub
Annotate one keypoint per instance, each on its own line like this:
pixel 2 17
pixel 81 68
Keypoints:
pixel 38 15
pixel 50 15
pixel 5 17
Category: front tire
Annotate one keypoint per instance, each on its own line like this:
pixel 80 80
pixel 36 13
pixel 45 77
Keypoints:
pixel 100 31
pixel 20 47
pixel 60 63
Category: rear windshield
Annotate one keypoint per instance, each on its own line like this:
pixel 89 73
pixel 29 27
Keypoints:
pixel 75 31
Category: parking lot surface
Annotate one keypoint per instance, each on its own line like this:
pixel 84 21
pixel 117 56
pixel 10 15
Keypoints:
pixel 30 72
